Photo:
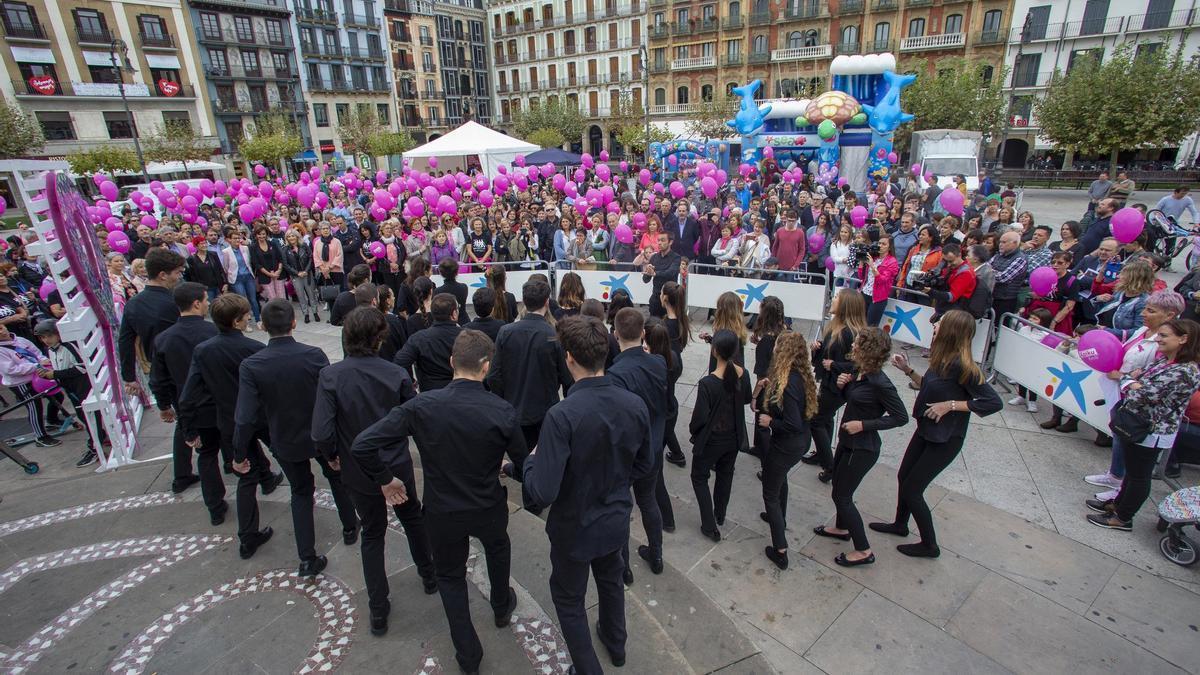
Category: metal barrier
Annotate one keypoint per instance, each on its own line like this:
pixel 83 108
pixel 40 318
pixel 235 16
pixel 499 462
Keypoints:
pixel 516 276
pixel 602 283
pixel 805 295
pixel 910 322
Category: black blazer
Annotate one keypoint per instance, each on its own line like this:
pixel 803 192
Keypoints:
pixel 709 394
pixel 873 401
pixel 298 261
pixel 787 418
pixel 393 341
pixel 169 370
pixel 278 385
pixel 529 368
pixel 213 379
pixel 269 259
pixel 980 397
pixel 645 374
pixel 430 351
pixel 146 315
pixel 838 351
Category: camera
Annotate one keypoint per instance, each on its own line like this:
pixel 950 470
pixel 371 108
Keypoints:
pixel 931 279
pixel 859 253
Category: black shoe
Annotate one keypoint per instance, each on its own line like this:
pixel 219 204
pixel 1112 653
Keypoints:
pixel 713 534
pixel 247 549
pixel 919 550
pixel 180 484
pixel 627 577
pixel 842 560
pixel 379 622
pixel 89 457
pixel 656 564
pixel 820 531
pixel 811 460
pixel 504 618
pixel 676 458
pixel 217 516
pixel 268 486
pixel 429 585
pixel 317 317
pixel 780 559
pixel 1103 440
pixel 47 442
pixel 1110 521
pixel 350 536
pixel 825 476
pixel 1070 426
pixel 1107 508
pixel 721 521
pixel 890 528
pixel 311 568
pixel 306 320
pixel 668 528
pixel 618 660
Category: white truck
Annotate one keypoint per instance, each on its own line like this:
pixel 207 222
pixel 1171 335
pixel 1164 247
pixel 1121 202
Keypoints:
pixel 947 153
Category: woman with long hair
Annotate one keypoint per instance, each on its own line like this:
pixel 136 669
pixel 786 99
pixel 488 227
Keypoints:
pixel 390 269
pixel 872 405
pixel 397 332
pixel 563 237
pixel 729 316
pixel 1070 231
pixel 422 289
pixel 678 323
pixel 416 244
pixel 1123 309
pixel 718 429
pixel 297 260
pixel 658 341
pixel 878 274
pixel 950 390
pixel 767 328
pixel 839 252
pixel 789 401
pixel 407 303
pixel 831 358
pixel 505 308
pixel 267 261
pixel 570 295
pixel 923 257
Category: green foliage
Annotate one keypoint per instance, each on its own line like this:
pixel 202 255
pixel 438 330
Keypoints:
pixel 390 143
pixel 562 117
pixel 547 138
pixel 629 124
pixel 709 119
pixel 103 159
pixel 273 140
pixel 20 133
pixel 357 129
pixel 957 96
pixel 1130 101
pixel 176 141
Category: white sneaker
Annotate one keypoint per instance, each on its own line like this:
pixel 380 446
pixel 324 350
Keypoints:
pixel 1105 480
pixel 1107 495
pixel 1016 400
pixel 1031 406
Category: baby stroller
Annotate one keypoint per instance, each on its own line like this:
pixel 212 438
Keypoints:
pixel 1179 509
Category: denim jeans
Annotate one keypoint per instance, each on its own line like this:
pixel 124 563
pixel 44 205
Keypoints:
pixel 1116 467
pixel 245 286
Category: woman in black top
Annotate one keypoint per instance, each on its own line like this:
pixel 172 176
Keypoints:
pixel 594 308
pixel 658 341
pixel 505 307
pixel 766 329
pixel 423 293
pixel 950 390
pixel 450 284
pixel 204 267
pixel 872 405
pixel 678 325
pixel 789 400
pixel 267 262
pixel 831 358
pixel 397 332
pixel 406 300
pixel 718 429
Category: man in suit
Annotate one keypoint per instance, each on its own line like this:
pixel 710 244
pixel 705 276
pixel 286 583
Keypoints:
pixel 351 396
pixel 639 372
pixel 592 445
pixel 213 380
pixel 683 229
pixel 168 375
pixel 463 433
pixel 279 385
pixel 429 350
pixel 529 369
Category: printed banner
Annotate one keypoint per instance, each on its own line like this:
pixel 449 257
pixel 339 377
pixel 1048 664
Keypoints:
pixel 513 281
pixel 908 322
pixel 800 301
pixel 1063 380
pixel 601 284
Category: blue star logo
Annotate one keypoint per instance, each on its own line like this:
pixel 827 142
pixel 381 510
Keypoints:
pixel 751 293
pixel 1070 380
pixel 903 318
pixel 616 283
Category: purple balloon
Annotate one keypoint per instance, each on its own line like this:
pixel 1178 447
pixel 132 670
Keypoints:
pixel 118 241
pixel 1042 280
pixel 1127 224
pixel 952 200
pixel 1101 350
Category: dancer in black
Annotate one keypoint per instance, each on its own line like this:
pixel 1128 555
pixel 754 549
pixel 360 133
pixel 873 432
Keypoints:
pixel 767 328
pixel 658 341
pixel 831 358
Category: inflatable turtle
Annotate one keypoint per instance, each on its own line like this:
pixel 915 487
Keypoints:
pixel 832 111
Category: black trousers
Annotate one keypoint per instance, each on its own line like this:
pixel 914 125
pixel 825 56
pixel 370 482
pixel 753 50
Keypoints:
pixel 669 437
pixel 720 458
pixel 661 495
pixel 449 535
pixel 782 453
pixel 212 485
pixel 1135 488
pixel 33 408
pixel 1004 306
pixel 645 491
pixel 828 404
pixel 531 433
pixel 303 484
pixel 373 513
pixel 568 586
pixel 181 456
pixel 923 461
pixel 247 492
pixel 849 469
pixel 875 311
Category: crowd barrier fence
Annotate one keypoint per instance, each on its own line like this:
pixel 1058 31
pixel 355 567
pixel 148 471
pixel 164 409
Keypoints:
pixel 909 322
pixel 516 274
pixel 805 295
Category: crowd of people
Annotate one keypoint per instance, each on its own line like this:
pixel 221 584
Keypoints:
pixel 575 399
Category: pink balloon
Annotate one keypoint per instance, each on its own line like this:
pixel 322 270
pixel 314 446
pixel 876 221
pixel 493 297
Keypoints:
pixel 745 170
pixel 219 203
pixel 624 234
pixel 260 170
pixel 378 212
pixel 118 241
pixel 915 169
pixel 586 160
pixel 603 155
pixel 816 241
pixel 952 200
pixel 559 182
pixel 41 384
pixel 768 152
pixel 639 220
pixel 378 250
pixel 721 176
pixel 502 169
pixel 149 221
pixel 829 264
pixel 46 288
pixel 571 189
pixel 433 162
pixel 677 190
pixel 708 186
pixel 1051 340
pixel 519 160
pixel 624 166
pixel 612 207
pixel 1101 350
pixel 109 190
pixel 603 172
pixel 644 177
pixel 579 175
pixel 1042 280
pixel 858 215
pixel 892 158
pixel 1127 224
pixel 487 198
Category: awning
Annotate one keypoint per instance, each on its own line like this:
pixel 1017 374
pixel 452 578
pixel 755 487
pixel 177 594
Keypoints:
pixel 32 55
pixel 306 156
pixel 168 61
pixel 98 59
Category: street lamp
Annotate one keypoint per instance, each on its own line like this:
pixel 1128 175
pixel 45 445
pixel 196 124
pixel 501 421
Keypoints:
pixel 645 102
pixel 118 45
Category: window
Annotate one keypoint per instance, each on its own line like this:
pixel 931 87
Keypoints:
pixel 431 114
pixel 682 16
pixel 733 49
pixel 374 47
pixel 210 25
pixel 1146 49
pixel 103 74
pixel 883 33
pixel 760 44
pixel 986 73
pixel 358 75
pixel 953 24
pixel 226 96
pixel 1038 21
pixel 243 28
pixel 1095 16
pixel 795 40
pixel 681 52
pixel 281 63
pixel 177 116
pixel 274 31
pixel 735 8
pixel 385 114
pixel 660 96
pixel 423 31
pixel 250 62
pixel 812 37
pixel 216 58
pixel 331 41
pixel 681 95
pixel 20 19
pixel 30 70
pixel 91 26
pixel 56 125
pixel 1079 55
pixel 342 110
pixel 706 92
pixel 168 74
pixel 991 22
pixel 1158 14
pixel 1026 71
pixel 377 77
pixel 258 97
pixel 119 125
pixel 321 114
pixel 427 62
pixel 850 35
pixel 314 74
pixel 916 27
pixel 152 27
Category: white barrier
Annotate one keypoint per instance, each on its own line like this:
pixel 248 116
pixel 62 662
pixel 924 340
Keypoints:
pixel 803 301
pixel 908 322
pixel 601 284
pixel 1064 380
pixel 514 279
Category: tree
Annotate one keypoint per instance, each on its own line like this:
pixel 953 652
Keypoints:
pixel 547 138
pixel 709 119
pixel 629 124
pixel 177 141
pixel 357 129
pixel 20 133
pixel 103 159
pixel 1133 100
pixel 961 94
pixel 390 143
pixel 564 118
pixel 273 140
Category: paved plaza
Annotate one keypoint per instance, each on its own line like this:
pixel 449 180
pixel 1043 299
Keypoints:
pixel 111 573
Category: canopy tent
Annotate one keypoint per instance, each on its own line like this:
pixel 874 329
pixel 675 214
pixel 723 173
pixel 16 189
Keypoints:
pixel 472 139
pixel 559 156
pixel 163 168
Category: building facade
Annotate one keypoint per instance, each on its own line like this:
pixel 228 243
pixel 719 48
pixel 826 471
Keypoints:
pixel 1052 36
pixel 248 53
pixel 699 48
pixel 60 56
pixel 588 53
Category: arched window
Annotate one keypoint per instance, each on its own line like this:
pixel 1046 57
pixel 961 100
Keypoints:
pixel 735 8
pixel 729 88
pixel 706 92
pixel 883 33
pixel 795 40
pixel 991 21
pixel 816 86
pixel 760 44
pixel 681 95
pixel 762 7
pixel 801 87
pixel 916 27
pixel 953 24
pixel 812 36
pixel 660 96
pixel 850 35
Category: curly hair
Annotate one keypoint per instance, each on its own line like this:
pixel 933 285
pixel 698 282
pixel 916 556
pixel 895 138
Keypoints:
pixel 871 350
pixel 792 354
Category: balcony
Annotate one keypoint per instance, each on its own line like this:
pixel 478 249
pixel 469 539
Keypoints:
pixel 760 19
pixel 658 68
pixel 426 40
pixel 412 121
pixel 805 9
pixel 156 41
pixel 1162 20
pixel 1109 26
pixel 26 31
pixel 760 57
pixel 989 37
pixel 885 5
pixel 732 60
pixel 850 7
pixel 918 3
pixel 658 3
pixel 252 72
pixel 660 31
pixel 879 46
pixel 694 63
pixel 681 28
pixel 848 48
pixel 403 64
pixel 23 88
pixel 408 7
pixel 362 20
pixel 707 25
pixel 97 36
pixel 502 88
pixel 1028 80
pixel 433 96
pixel 735 22
pixel 428 68
pixel 928 42
pixel 802 53
pixel 674 109
pixel 277 6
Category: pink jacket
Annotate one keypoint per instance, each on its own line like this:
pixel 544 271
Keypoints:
pixel 885 278
pixel 335 254
pixel 229 262
pixel 14 368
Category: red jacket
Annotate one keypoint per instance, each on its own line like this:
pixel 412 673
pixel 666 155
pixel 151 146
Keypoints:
pixel 962 282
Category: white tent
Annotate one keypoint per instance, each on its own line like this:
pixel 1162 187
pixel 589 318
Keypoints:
pixel 471 139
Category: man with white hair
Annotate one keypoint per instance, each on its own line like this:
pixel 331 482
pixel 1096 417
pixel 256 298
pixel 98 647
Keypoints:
pixel 1012 270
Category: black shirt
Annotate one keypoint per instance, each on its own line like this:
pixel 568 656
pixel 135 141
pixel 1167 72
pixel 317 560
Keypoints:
pixel 479 243
pixel 787 417
pixel 173 358
pixel 836 349
pixel 487 325
pixel 393 341
pixel 459 290
pixel 146 315
pixel 11 303
pixel 528 368
pixel 644 374
pixel 872 400
pixel 710 398
pixel 462 433
pixel 593 444
pixel 213 379
pixel 270 260
pixel 980 397
pixel 343 304
pixel 764 351
pixel 666 268
pixel 430 351
pixel 208 271
pixel 278 385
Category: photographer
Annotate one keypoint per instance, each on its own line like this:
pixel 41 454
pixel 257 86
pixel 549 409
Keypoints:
pixel 952 286
pixel 878 270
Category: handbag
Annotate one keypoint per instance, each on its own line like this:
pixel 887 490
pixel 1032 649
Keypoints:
pixel 1127 425
pixel 328 291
